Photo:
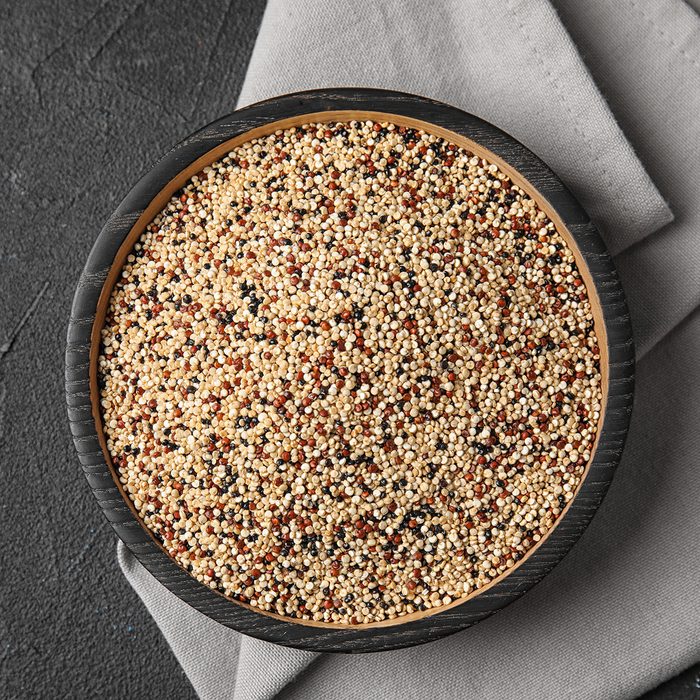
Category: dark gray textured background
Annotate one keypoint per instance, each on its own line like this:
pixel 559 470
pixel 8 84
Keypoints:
pixel 91 93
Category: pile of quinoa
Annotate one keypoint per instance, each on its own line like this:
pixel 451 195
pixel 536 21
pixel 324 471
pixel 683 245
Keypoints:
pixel 350 373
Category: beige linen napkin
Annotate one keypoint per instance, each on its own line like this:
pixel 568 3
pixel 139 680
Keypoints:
pixel 621 613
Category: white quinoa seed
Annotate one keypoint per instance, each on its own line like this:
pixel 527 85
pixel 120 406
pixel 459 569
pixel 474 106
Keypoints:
pixel 350 373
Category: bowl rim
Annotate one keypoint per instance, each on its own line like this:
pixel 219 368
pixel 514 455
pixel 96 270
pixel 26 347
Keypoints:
pixel 136 210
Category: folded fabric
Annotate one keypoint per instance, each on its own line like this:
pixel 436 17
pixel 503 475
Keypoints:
pixel 645 55
pixel 620 613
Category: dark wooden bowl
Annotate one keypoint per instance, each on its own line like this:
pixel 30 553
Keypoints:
pixel 145 200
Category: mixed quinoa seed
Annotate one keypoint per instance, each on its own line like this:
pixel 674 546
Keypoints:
pixel 350 373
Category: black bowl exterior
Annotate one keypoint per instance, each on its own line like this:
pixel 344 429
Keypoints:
pixel 386 636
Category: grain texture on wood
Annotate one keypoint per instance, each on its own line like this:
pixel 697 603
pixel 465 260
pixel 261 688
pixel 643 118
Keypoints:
pixel 147 198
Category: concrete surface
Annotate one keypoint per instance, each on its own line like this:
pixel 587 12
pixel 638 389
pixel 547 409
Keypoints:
pixel 91 93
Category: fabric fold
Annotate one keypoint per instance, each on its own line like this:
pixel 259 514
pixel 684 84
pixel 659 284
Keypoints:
pixel 646 58
pixel 265 669
pixel 207 651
